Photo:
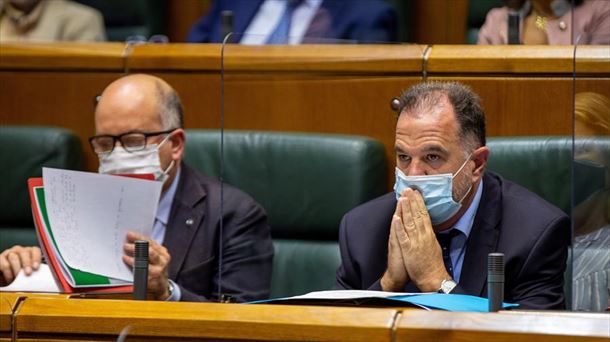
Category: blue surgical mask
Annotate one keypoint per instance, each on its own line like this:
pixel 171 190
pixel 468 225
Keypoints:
pixel 437 191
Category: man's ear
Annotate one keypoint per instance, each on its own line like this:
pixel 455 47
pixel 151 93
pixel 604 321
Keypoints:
pixel 479 156
pixel 177 139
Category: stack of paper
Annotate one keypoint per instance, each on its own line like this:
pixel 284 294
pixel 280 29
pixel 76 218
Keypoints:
pixel 81 221
pixel 449 302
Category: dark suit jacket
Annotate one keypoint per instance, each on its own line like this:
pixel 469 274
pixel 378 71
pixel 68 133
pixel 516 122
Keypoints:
pixel 197 246
pixel 533 235
pixel 359 20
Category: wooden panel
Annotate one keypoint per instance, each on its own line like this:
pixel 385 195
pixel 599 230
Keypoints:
pixel 596 85
pixel 472 59
pixel 424 326
pixel 63 99
pixel 440 21
pixel 103 320
pixel 62 56
pixel 10 299
pixel 181 15
pixel 162 320
pixel 329 89
pixel 524 105
pixel 9 302
pixel 369 59
pixel 593 59
pixel 6 314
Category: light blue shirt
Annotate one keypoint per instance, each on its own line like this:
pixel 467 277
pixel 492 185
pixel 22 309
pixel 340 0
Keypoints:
pixel 464 226
pixel 269 15
pixel 159 228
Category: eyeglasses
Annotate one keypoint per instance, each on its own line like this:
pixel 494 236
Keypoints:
pixel 131 141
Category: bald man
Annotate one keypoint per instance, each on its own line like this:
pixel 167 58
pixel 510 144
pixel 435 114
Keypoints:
pixel 139 129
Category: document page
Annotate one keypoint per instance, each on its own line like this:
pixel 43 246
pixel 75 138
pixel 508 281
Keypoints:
pixel 91 213
pixel 350 294
pixel 40 280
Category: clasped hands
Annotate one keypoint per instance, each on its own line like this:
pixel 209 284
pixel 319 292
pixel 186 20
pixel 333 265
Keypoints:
pixel 414 253
pixel 14 259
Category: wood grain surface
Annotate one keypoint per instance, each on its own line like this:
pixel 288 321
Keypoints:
pixel 504 326
pixel 103 320
pixel 346 89
pixel 63 318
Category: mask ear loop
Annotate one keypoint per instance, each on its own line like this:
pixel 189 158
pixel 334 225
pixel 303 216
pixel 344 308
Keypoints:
pixel 171 165
pixel 462 167
pixel 164 139
pixel 460 170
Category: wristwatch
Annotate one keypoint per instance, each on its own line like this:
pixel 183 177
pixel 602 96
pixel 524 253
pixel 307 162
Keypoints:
pixel 170 289
pixel 447 285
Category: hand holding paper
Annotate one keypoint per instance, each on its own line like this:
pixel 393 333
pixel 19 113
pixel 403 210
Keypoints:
pixel 16 259
pixel 40 280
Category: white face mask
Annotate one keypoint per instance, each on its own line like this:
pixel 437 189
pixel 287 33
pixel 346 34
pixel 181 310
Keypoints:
pixel 138 162
pixel 437 191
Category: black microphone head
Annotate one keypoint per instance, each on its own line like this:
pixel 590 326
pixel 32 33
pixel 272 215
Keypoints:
pixel 226 18
pixel 513 27
pixel 141 249
pixel 495 281
pixel 495 264
pixel 140 270
pixel 226 24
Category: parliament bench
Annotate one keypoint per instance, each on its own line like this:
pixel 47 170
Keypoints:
pixel 305 182
pixel 25 150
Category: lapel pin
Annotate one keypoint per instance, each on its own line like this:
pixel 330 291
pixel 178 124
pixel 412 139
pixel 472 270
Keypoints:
pixel 189 222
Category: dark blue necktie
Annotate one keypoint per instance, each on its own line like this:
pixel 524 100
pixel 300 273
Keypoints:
pixel 282 30
pixel 445 241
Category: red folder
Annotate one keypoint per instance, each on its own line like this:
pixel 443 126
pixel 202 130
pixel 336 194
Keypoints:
pixel 52 259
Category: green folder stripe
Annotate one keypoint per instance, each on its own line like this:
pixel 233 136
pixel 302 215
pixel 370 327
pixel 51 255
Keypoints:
pixel 81 278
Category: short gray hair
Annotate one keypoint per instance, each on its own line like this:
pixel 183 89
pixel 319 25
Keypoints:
pixel 171 112
pixel 466 105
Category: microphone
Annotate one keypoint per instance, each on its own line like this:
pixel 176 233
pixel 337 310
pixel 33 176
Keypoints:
pixel 140 270
pixel 513 27
pixel 495 281
pixel 226 25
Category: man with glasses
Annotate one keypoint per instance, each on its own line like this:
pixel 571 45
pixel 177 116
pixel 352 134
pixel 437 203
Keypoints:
pixel 139 127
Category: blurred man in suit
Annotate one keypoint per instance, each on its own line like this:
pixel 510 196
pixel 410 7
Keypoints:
pixel 139 125
pixel 49 20
pixel 299 21
pixel 447 213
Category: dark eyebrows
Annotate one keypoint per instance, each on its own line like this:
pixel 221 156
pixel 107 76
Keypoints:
pixel 436 149
pixel 427 149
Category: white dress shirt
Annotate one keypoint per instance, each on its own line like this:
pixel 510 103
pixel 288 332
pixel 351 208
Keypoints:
pixel 269 15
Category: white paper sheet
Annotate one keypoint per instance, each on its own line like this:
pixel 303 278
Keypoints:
pixel 351 294
pixel 91 213
pixel 40 280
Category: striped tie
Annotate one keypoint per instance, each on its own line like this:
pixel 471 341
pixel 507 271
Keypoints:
pixel 282 30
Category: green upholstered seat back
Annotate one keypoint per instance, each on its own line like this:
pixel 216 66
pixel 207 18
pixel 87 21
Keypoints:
pixel 542 164
pixel 306 183
pixel 24 151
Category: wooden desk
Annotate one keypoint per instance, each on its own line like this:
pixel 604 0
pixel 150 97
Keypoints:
pixel 6 316
pixel 45 319
pixel 10 301
pixel 514 326
pixel 103 320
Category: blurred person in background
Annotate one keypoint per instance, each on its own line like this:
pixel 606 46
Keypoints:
pixel 591 248
pixel 49 20
pixel 552 22
pixel 299 21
